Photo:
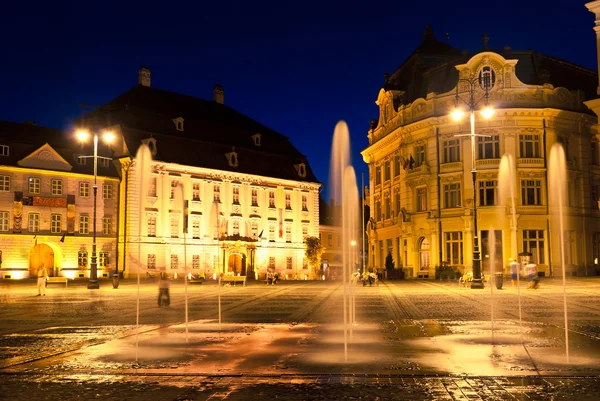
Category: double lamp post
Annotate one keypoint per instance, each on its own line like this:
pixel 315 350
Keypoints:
pixel 108 137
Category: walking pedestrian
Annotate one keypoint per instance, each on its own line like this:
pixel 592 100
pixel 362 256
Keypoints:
pixel 532 275
pixel 42 275
pixel 514 271
pixel 164 299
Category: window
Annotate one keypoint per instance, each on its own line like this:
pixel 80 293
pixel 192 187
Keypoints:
pixel 254 197
pixel 396 166
pixel 272 232
pixel 34 223
pixel 195 262
pixel 271 199
pixel 151 225
pixel 174 261
pixel 451 151
pixel 420 155
pixel 174 184
pixel 329 240
pixel 254 228
pixel 196 228
pixel 531 192
pixel 4 150
pixel 104 162
pixel 387 171
pixel 533 241
pixel 82 258
pixel 4 183
pixel 84 225
pixel 151 261
pixel 152 187
pixel 377 175
pixel 288 233
pixel 487 78
pixel 397 203
pixel 236 227
pixel 106 225
pixel 304 230
pixel 288 263
pixel 488 147
pixel 57 187
pixel 487 193
pixel 271 262
pixel 421 199
pixel 196 191
pixel 529 145
pixel 34 185
pixel 388 207
pixel 236 195
pixel 452 195
pixel 377 210
pixel 304 203
pixel 174 226
pixel 81 159
pixel 84 189
pixel 288 201
pixel 454 247
pixel 216 193
pixel 3 221
pixel 103 259
pixel 56 224
pixel 107 191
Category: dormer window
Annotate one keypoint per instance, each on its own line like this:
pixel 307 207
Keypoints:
pixel 300 169
pixel 487 78
pixel 178 123
pixel 80 159
pixel 151 142
pixel 256 138
pixel 4 150
pixel 232 159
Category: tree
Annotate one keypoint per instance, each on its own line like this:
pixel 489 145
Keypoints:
pixel 314 250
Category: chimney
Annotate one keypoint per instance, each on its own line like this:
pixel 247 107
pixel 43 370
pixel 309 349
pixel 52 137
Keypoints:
pixel 219 94
pixel 144 76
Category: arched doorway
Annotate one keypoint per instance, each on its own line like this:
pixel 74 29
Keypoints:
pixel 237 264
pixel 424 257
pixel 38 254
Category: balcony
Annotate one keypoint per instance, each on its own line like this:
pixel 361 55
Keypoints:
pixel 484 164
pixel 530 162
pixel 422 169
pixel 451 167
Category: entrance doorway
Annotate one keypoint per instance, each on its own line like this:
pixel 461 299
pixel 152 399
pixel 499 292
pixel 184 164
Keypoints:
pixel 237 264
pixel 424 257
pixel 38 254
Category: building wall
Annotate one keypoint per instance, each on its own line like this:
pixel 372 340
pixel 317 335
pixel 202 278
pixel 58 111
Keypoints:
pixel 549 114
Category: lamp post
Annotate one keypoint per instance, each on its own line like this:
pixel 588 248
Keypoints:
pixel 485 83
pixel 107 137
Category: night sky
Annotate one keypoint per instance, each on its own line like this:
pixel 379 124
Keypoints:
pixel 297 67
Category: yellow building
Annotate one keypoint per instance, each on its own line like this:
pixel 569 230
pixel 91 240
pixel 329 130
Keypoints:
pixel 46 204
pixel 420 161
pixel 251 196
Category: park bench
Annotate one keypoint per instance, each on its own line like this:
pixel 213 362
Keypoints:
pixel 233 279
pixel 57 280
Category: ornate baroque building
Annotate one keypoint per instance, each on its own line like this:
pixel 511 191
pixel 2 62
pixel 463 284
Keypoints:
pixel 420 161
pixel 46 204
pixel 251 196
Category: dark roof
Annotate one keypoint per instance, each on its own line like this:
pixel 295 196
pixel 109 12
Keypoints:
pixel 432 68
pixel 25 138
pixel 210 130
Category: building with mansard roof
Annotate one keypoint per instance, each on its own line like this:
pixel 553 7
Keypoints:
pixel 46 204
pixel 251 196
pixel 422 194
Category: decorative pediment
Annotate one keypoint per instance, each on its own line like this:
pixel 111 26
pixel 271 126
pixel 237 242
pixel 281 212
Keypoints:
pixel 47 158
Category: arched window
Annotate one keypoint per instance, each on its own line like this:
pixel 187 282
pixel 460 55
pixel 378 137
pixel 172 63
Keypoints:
pixel 424 258
pixel 487 78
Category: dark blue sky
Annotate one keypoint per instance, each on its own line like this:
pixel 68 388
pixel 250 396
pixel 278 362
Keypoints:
pixel 297 67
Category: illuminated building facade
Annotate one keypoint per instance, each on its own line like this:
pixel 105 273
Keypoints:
pixel 251 196
pixel 46 204
pixel 420 161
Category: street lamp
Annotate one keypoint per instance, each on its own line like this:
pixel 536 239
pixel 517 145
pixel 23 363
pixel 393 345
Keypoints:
pixel 487 112
pixel 108 137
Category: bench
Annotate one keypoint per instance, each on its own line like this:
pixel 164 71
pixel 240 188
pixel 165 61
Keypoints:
pixel 233 279
pixel 57 280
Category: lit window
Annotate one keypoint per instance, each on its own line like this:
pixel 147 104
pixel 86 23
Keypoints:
pixel 304 203
pixel 3 221
pixel 421 199
pixel 236 195
pixel 454 247
pixel 288 201
pixel 82 258
pixel 174 261
pixel 106 225
pixel 217 193
pixel 533 241
pixel 487 193
pixel 271 199
pixel 196 228
pixel 84 189
pixel 151 225
pixel 103 259
pixel 487 78
pixel 56 224
pixel 488 147
pixel 236 227
pixel 451 149
pixel 288 233
pixel 107 191
pixel 84 225
pixel 529 145
pixel 57 187
pixel 151 261
pixel 4 183
pixel 531 192
pixel 451 195
pixel 34 185
pixel 34 223
pixel 174 184
pixel 254 197
pixel 196 191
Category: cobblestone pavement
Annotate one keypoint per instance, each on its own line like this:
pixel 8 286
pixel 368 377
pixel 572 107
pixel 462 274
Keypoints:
pixel 415 340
